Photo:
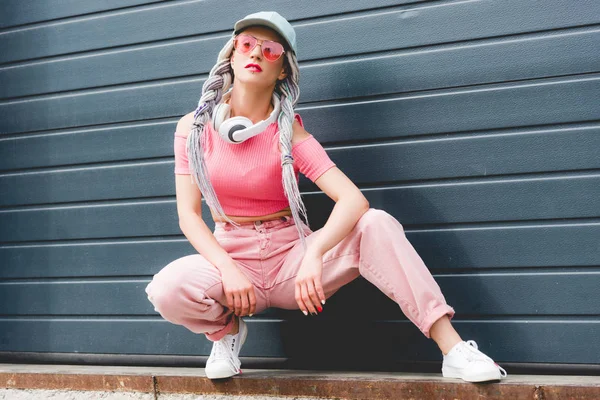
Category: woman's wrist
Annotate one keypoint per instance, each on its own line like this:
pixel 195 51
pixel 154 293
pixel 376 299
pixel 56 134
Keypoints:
pixel 225 263
pixel 314 251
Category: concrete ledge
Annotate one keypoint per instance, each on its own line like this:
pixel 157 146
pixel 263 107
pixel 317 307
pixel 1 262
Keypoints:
pixel 344 385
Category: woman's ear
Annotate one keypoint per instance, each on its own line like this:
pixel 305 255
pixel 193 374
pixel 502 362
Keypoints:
pixel 284 72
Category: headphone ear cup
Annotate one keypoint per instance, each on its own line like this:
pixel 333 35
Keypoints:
pixel 232 125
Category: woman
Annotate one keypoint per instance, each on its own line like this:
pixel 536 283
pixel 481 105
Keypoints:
pixel 252 145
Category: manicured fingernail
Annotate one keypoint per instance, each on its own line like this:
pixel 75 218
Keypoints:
pixel 250 315
pixel 305 313
pixel 323 302
pixel 320 309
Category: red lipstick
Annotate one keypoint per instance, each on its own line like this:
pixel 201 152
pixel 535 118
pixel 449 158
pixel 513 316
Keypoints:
pixel 254 67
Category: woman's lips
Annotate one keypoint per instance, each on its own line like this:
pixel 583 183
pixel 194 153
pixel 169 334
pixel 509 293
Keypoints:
pixel 253 68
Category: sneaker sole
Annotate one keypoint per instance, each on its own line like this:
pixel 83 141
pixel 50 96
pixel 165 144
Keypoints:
pixel 222 375
pixel 455 373
pixel 229 374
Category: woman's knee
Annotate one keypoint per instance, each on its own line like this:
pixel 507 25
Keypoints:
pixel 378 219
pixel 163 292
pixel 168 288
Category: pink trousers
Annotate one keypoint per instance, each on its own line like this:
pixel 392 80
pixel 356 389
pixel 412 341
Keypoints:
pixel 188 291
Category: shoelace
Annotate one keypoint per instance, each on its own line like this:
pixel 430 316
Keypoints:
pixel 222 350
pixel 475 354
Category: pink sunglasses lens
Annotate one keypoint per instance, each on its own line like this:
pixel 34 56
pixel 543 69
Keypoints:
pixel 272 51
pixel 245 43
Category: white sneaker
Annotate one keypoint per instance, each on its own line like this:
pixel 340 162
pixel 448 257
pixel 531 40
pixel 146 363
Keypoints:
pixel 224 359
pixel 465 361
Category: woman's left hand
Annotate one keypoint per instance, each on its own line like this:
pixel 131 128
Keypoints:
pixel 309 291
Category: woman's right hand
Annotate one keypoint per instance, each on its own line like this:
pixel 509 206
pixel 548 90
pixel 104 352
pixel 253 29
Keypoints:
pixel 239 291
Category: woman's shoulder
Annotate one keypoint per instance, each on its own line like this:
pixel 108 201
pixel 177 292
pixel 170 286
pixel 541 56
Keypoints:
pixel 299 134
pixel 184 125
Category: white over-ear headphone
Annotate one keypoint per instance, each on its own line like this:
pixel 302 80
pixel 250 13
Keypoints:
pixel 238 129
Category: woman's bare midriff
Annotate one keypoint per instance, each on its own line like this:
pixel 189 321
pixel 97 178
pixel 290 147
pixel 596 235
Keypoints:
pixel 242 219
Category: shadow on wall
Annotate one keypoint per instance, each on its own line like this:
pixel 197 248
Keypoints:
pixel 362 329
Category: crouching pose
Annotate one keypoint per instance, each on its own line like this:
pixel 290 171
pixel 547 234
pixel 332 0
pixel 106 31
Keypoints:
pixel 242 150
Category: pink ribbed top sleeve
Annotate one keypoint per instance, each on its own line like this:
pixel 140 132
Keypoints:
pixel 181 157
pixel 311 159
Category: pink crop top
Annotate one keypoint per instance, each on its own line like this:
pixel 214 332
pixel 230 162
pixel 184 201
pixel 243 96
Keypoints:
pixel 247 176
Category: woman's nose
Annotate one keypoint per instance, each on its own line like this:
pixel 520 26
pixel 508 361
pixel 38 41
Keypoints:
pixel 256 51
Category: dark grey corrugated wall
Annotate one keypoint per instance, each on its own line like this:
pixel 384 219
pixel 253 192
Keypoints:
pixel 475 123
